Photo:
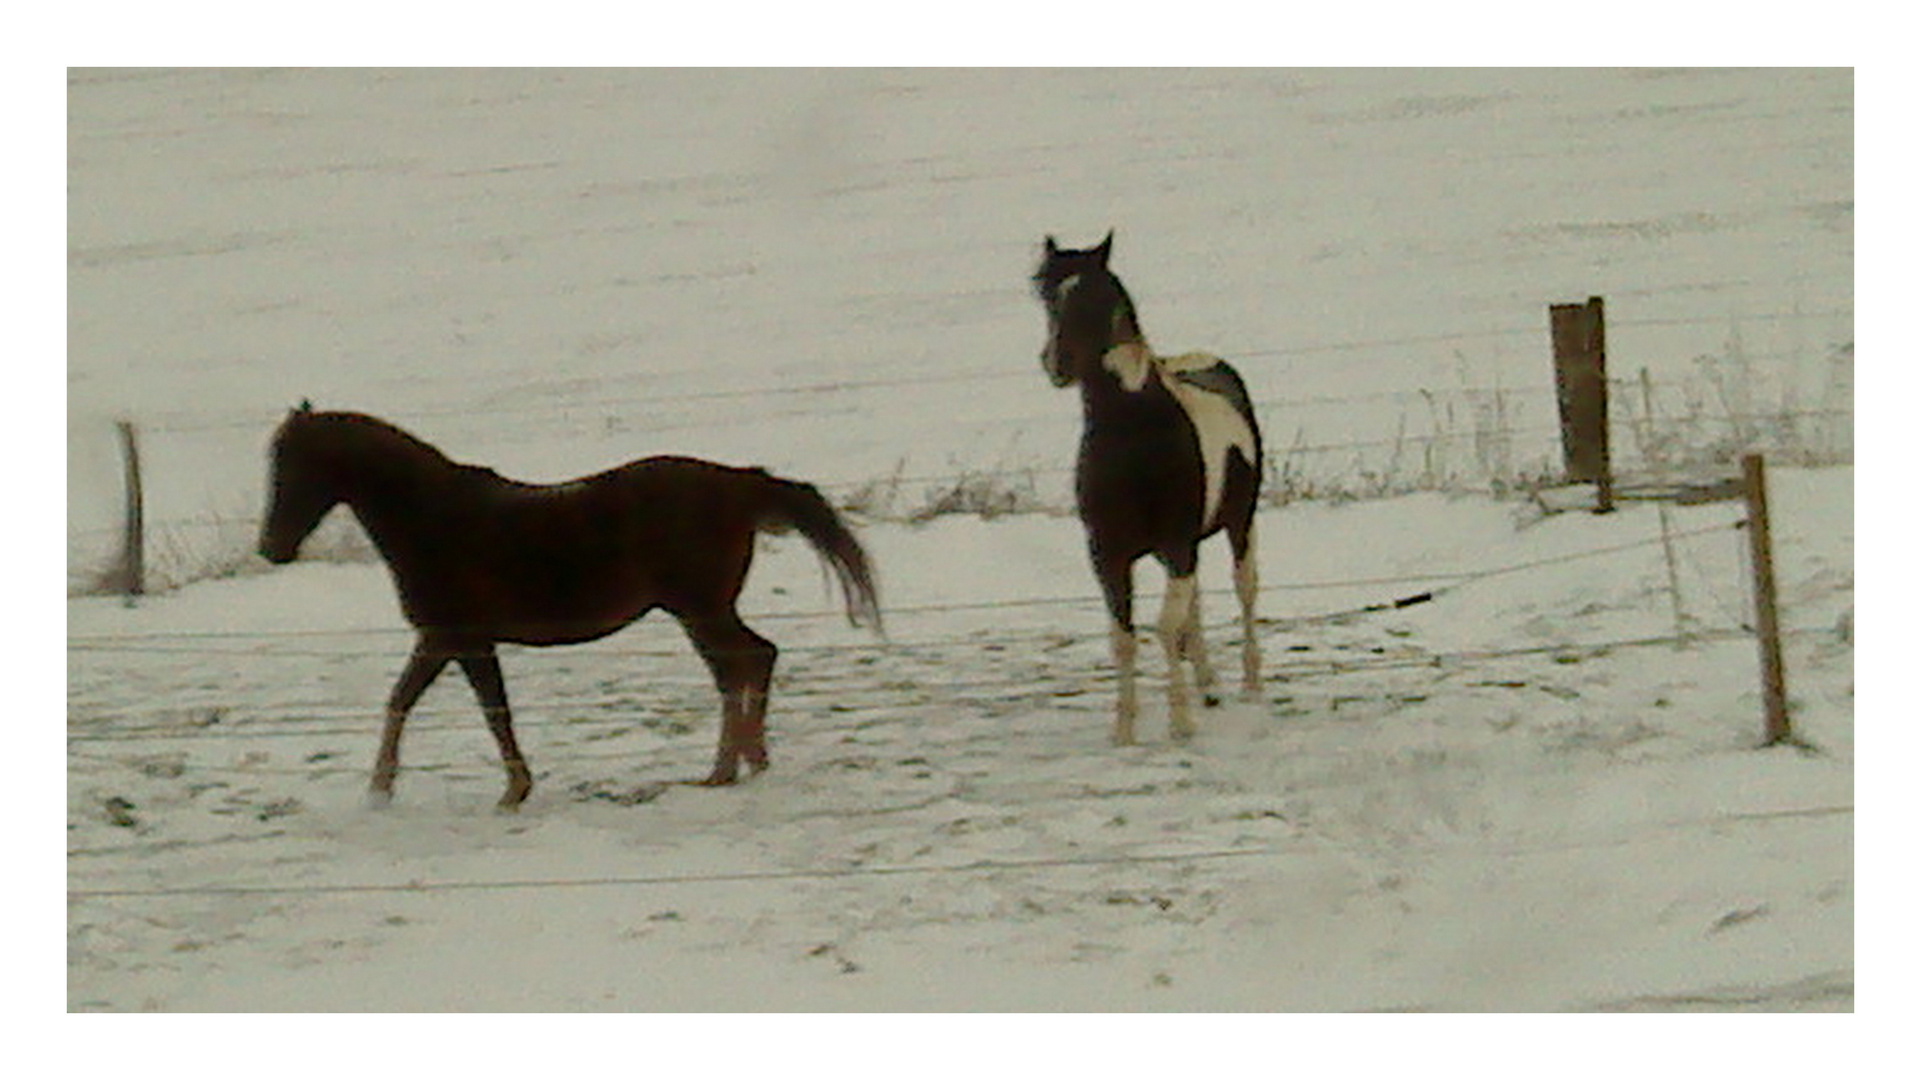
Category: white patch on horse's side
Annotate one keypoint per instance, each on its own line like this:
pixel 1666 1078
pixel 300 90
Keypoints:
pixel 1131 362
pixel 1219 425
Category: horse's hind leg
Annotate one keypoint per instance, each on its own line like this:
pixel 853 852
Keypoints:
pixel 1247 588
pixel 743 666
pixel 422 668
pixel 1194 649
pixel 482 667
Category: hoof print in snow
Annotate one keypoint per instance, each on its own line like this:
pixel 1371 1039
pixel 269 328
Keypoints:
pixel 588 791
pixel 830 951
pixel 278 809
pixel 120 813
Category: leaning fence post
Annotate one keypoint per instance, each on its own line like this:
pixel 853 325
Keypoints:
pixel 1767 622
pixel 132 575
pixel 1580 382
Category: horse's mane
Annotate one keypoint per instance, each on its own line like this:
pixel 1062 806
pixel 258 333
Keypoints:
pixel 365 432
pixel 1103 284
pixel 1127 320
pixel 365 446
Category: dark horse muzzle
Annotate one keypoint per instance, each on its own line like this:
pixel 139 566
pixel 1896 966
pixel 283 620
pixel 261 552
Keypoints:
pixel 1055 365
pixel 277 553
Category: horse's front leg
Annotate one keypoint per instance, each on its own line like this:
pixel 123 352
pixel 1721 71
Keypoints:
pixel 422 668
pixel 1176 623
pixel 1116 578
pixel 1194 650
pixel 482 667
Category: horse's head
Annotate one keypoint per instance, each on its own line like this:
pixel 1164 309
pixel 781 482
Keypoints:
pixel 1088 310
pixel 300 490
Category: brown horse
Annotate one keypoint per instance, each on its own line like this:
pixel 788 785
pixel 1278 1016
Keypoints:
pixel 1170 455
pixel 479 559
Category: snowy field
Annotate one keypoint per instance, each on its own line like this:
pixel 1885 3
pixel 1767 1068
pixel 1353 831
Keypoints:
pixel 1405 823
pixel 1504 799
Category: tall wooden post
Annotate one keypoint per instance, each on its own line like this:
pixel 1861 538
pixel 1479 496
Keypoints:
pixel 1580 382
pixel 133 548
pixel 1767 619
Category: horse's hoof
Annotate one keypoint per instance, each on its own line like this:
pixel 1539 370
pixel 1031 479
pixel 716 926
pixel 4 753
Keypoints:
pixel 378 799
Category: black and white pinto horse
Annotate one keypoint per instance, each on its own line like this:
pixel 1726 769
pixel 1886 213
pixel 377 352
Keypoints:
pixel 1170 455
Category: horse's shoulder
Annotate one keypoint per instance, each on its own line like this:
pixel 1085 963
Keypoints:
pixel 1205 371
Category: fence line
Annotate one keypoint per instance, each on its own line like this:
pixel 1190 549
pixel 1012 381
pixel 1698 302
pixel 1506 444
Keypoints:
pixel 1449 579
pixel 823 873
pixel 979 866
pixel 1277 454
pixel 533 714
pixel 172 421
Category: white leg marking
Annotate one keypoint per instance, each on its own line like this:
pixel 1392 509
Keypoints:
pixel 1177 609
pixel 1247 586
pixel 1194 648
pixel 1126 706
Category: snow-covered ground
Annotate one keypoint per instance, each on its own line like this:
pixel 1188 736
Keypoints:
pixel 1483 802
pixel 1402 822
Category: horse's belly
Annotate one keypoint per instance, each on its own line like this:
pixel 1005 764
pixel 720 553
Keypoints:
pixel 553 601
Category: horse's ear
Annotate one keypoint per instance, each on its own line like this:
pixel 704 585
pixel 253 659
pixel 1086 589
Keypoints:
pixel 1053 249
pixel 1106 246
pixel 305 406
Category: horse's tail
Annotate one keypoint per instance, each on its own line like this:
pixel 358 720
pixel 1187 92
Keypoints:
pixel 801 506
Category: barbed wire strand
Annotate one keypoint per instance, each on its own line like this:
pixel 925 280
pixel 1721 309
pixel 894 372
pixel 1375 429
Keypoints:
pixel 819 873
pixel 892 483
pixel 1449 580
pixel 171 421
pixel 542 714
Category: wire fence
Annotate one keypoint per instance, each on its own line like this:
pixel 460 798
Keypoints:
pixel 590 716
pixel 424 886
pixel 1740 430
pixel 1438 581
pixel 313 644
pixel 196 421
pixel 312 723
pixel 579 713
pixel 281 644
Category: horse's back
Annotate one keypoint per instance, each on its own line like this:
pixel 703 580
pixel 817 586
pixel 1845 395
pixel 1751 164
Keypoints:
pixel 571 561
pixel 1210 373
pixel 665 503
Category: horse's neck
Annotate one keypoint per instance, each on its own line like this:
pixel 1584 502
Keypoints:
pixel 386 470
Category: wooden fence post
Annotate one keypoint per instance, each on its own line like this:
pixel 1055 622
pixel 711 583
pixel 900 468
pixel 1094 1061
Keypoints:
pixel 132 573
pixel 1767 620
pixel 1580 383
